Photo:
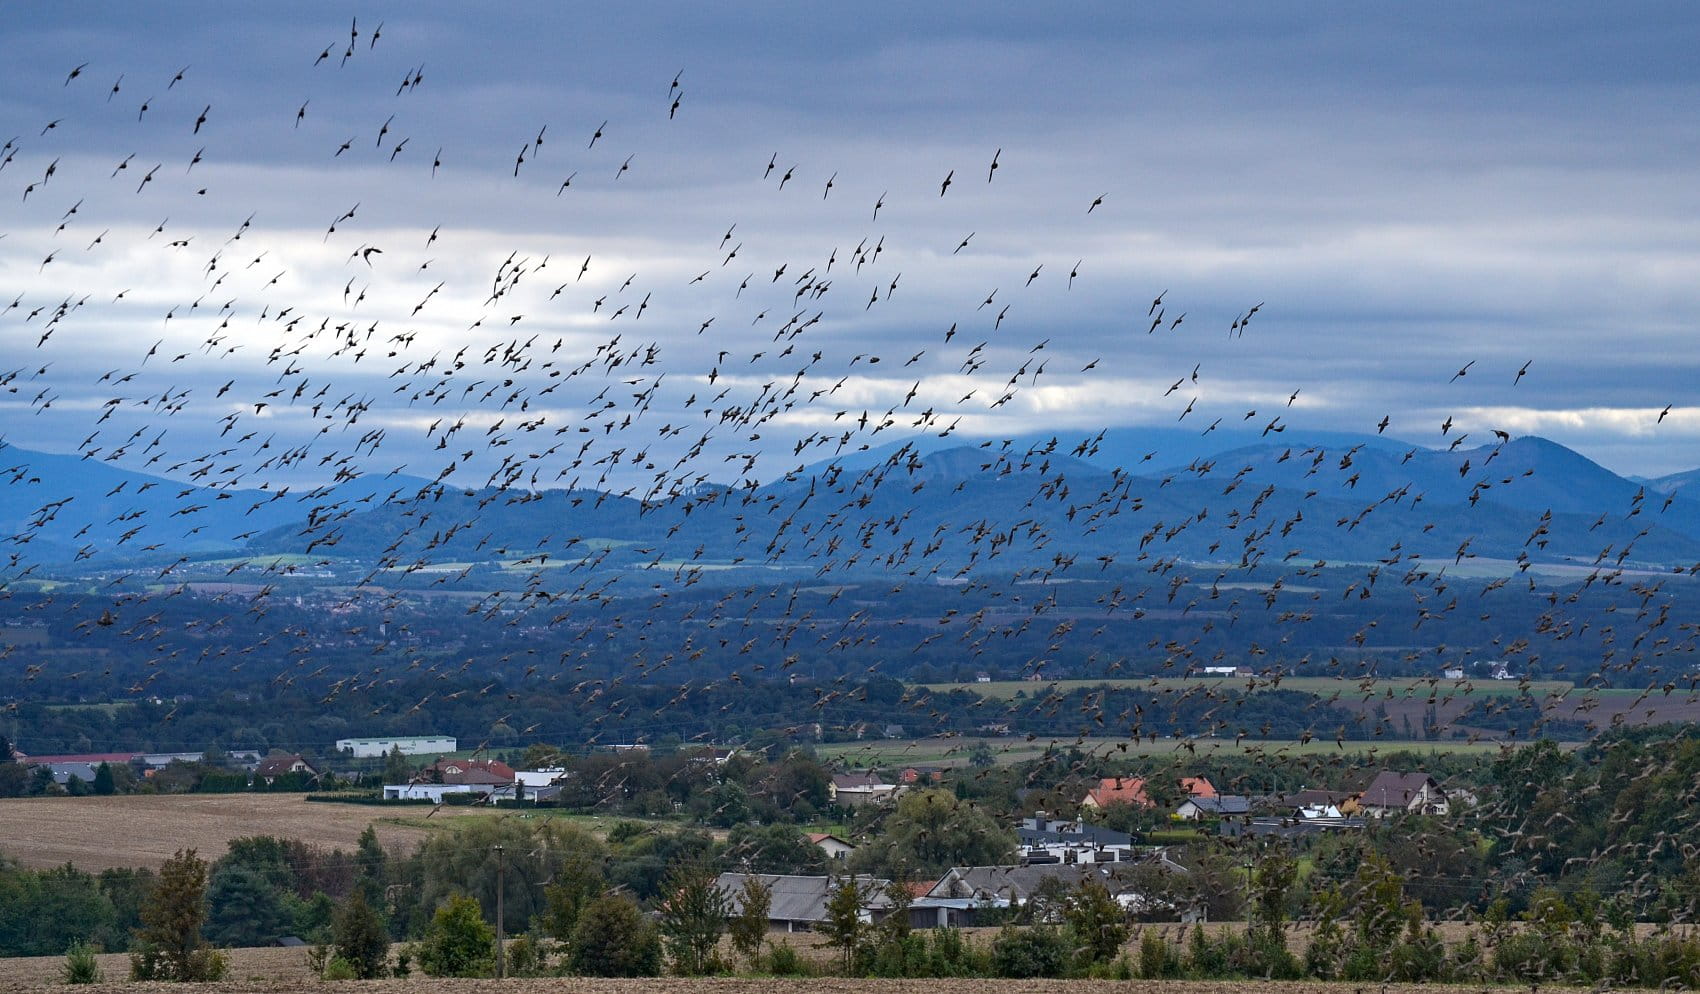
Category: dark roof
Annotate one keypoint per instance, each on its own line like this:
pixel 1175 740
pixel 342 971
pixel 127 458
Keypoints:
pixel 1222 804
pixel 1071 833
pixel 1313 796
pixel 1395 790
pixel 1287 828
pixel 796 898
pixel 855 780
pixel 273 766
pixel 1020 882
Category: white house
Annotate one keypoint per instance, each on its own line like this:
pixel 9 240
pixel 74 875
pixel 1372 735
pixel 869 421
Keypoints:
pixel 832 845
pixel 418 745
pixel 433 792
pixel 1403 793
pixel 533 779
pixel 856 789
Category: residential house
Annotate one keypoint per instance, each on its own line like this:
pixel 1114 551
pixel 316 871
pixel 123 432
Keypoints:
pixel 433 792
pixel 1403 793
pixel 832 845
pixel 1117 790
pixel 962 893
pixel 1052 840
pixel 797 903
pixel 1200 807
pixel 63 772
pixel 280 764
pixel 1313 803
pixel 912 775
pixel 856 789
pixel 534 779
pixel 476 772
pixel 1197 787
pixel 1286 828
pixel 709 755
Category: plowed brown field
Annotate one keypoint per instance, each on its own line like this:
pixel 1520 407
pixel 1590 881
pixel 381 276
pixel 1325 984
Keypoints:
pixel 727 985
pixel 98 833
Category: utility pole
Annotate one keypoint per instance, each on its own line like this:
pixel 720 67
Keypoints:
pixel 501 943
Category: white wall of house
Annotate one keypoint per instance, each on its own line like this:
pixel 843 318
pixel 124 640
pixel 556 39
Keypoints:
pixel 433 792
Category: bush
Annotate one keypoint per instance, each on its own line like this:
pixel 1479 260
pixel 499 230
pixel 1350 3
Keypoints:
pixel 340 969
pixel 361 939
pixel 614 939
pixel 528 957
pixel 1035 951
pixel 458 942
pixel 898 956
pixel 1204 957
pixel 1158 960
pixel 80 965
pixel 950 955
pixel 783 961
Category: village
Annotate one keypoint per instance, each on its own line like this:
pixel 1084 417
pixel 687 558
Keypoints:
pixel 1124 833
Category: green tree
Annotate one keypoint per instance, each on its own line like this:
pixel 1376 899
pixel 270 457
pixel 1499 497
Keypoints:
pixel 170 945
pixel 614 939
pixel 104 785
pixel 845 927
pixel 458 942
pixel 577 881
pixel 396 767
pixel 692 918
pixel 1099 924
pixel 41 913
pixel 749 925
pixel 930 831
pixel 127 889
pixel 243 909
pixel 373 865
pixel 773 849
pixel 465 862
pixel 360 938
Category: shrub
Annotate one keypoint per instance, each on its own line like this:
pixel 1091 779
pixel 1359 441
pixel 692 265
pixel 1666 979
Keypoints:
pixel 1158 960
pixel 783 961
pixel 1035 951
pixel 898 956
pixel 360 938
pixel 950 955
pixel 614 939
pixel 458 942
pixel 528 956
pixel 80 965
pixel 340 969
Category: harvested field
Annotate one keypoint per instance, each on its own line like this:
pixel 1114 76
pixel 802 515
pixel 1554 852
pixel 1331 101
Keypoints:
pixel 32 984
pixel 284 970
pixel 98 833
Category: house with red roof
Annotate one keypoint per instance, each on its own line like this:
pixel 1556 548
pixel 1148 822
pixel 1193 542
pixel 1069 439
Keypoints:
pixel 1117 790
pixel 471 772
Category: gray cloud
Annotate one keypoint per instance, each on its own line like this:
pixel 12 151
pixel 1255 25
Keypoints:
pixel 1405 192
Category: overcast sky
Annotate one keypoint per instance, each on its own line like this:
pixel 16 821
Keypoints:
pixel 1406 191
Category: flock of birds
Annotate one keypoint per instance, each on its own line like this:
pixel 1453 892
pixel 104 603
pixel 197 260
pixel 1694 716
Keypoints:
pixel 270 353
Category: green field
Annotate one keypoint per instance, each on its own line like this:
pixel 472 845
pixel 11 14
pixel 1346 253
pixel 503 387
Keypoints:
pixel 898 753
pixel 1321 686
